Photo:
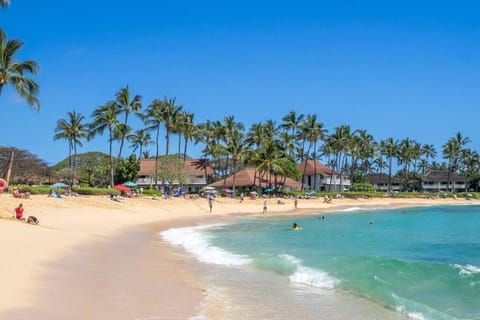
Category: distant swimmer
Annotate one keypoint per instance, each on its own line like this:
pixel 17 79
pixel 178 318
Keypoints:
pixel 294 225
pixel 370 223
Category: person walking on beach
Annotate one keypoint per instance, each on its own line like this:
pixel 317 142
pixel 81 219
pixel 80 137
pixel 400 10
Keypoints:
pixel 265 206
pixel 210 203
pixel 295 202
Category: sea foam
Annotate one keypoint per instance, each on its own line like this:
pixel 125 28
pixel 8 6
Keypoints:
pixel 196 242
pixel 467 269
pixel 309 276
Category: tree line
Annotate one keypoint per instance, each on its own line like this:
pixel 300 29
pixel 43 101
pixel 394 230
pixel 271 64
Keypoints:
pixel 273 149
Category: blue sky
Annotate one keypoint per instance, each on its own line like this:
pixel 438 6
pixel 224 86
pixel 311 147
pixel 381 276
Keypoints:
pixel 394 68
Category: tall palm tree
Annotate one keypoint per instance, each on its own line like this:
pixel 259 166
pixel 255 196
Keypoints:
pixel 141 138
pixel 153 120
pixel 428 150
pixel 127 105
pixel 13 72
pixel 238 149
pixel 452 151
pixel 105 117
pixel 73 130
pixel 389 148
pixel 188 129
pixel 169 114
pixel 292 122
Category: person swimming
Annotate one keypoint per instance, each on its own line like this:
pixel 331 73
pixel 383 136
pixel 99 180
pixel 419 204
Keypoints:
pixel 294 226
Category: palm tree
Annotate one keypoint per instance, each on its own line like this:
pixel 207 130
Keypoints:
pixel 452 151
pixel 105 117
pixel 126 105
pixel 169 113
pixel 153 119
pixel 389 148
pixel 292 122
pixel 188 129
pixel 238 149
pixel 73 130
pixel 13 72
pixel 141 138
pixel 428 150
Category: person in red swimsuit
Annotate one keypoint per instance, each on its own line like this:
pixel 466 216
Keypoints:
pixel 19 212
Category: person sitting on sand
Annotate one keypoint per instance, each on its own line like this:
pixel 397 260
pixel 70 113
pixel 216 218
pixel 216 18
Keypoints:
pixel 19 212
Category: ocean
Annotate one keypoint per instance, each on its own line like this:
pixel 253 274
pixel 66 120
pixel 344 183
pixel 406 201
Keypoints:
pixel 410 263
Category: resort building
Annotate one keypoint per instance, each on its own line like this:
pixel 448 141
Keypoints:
pixel 196 173
pixel 250 179
pixel 321 178
pixel 379 181
pixel 441 181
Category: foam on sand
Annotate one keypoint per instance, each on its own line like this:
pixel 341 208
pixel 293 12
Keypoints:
pixel 195 241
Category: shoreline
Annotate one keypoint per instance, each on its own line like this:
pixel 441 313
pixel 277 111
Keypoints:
pixel 95 238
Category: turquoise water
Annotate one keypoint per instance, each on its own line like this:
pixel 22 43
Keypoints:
pixel 420 263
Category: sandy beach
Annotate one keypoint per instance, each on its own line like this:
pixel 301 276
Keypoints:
pixel 93 258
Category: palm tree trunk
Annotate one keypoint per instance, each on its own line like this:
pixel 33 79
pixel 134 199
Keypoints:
pixel 185 149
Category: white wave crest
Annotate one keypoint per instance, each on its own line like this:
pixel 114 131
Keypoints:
pixel 467 269
pixel 197 243
pixel 352 209
pixel 309 276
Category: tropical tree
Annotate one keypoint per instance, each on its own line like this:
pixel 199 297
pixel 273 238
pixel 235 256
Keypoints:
pixel 169 113
pixel 189 130
pixel 452 151
pixel 291 122
pixel 389 148
pixel 127 105
pixel 153 120
pixel 140 139
pixel 105 118
pixel 238 149
pixel 73 130
pixel 13 72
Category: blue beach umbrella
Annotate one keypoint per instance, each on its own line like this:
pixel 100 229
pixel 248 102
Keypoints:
pixel 269 190
pixel 59 185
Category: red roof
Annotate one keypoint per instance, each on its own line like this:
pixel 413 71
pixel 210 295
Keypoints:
pixel 246 178
pixel 193 167
pixel 322 170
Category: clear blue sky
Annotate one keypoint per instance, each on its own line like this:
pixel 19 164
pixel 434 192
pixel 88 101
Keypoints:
pixel 394 68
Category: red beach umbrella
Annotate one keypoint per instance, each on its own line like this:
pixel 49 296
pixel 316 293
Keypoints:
pixel 122 187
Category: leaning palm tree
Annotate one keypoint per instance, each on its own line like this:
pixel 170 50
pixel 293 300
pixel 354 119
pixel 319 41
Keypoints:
pixel 127 105
pixel 105 118
pixel 73 130
pixel 13 72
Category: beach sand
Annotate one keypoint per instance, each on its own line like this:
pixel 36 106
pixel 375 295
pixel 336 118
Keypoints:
pixel 93 258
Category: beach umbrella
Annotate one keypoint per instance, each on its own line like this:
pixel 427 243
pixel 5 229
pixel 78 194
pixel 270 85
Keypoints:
pixel 208 188
pixel 121 187
pixel 253 192
pixel 130 184
pixel 59 185
pixel 309 193
pixel 226 190
pixel 269 190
